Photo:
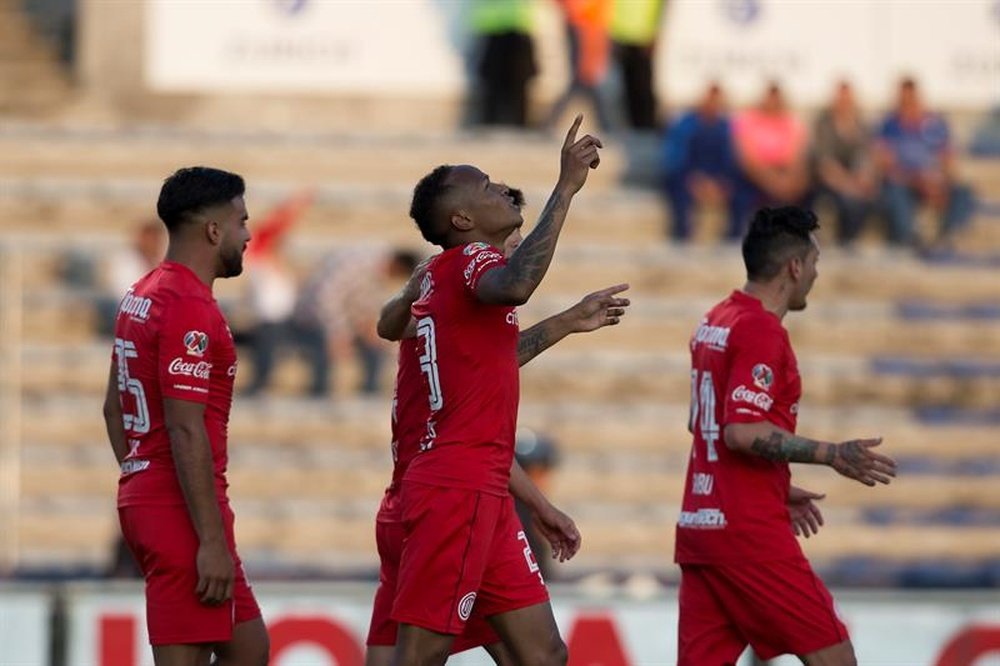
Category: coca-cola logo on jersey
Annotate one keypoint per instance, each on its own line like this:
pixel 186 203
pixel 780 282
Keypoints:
pixel 199 370
pixel 760 400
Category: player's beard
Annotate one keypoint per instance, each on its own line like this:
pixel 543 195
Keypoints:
pixel 232 262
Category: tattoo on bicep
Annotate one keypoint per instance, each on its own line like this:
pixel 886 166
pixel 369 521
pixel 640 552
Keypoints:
pixel 779 446
pixel 532 258
pixel 531 343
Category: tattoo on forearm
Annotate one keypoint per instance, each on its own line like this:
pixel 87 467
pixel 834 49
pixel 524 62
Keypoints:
pixel 779 446
pixel 530 261
pixel 531 343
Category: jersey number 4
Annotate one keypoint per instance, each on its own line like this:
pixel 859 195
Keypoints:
pixel 137 423
pixel 703 412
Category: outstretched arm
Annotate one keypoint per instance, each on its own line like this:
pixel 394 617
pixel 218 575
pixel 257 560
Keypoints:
pixel 555 526
pixel 853 459
pixel 594 311
pixel 514 283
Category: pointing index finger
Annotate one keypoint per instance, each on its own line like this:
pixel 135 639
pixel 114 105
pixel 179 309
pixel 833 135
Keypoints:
pixel 571 135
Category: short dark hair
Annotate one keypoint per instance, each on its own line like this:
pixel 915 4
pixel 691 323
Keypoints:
pixel 190 190
pixel 775 235
pixel 424 206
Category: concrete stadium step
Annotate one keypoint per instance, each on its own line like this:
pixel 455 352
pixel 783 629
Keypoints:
pixel 40 151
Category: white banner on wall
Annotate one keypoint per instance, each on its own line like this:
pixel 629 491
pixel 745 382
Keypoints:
pixel 304 46
pixel 317 625
pixel 951 46
pixel 24 627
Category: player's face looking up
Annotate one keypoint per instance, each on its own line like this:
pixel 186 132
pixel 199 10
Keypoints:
pixel 804 274
pixel 231 220
pixel 493 209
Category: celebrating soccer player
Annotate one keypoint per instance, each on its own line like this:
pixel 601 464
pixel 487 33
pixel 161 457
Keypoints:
pixel 409 418
pixel 167 410
pixel 464 549
pixel 744 579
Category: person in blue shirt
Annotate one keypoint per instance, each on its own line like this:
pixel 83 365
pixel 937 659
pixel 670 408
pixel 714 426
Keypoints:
pixel 918 162
pixel 699 166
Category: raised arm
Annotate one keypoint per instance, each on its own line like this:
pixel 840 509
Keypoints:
pixel 192 455
pixel 594 311
pixel 395 321
pixel 514 283
pixel 853 459
pixel 557 528
pixel 113 417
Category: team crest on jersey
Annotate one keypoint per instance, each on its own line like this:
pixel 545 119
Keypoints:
pixel 465 605
pixel 762 376
pixel 196 343
pixel 472 248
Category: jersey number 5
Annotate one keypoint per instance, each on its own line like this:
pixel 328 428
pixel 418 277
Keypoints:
pixel 137 423
pixel 428 362
pixel 703 412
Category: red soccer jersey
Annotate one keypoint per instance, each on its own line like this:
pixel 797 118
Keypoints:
pixel 743 370
pixel 171 341
pixel 468 357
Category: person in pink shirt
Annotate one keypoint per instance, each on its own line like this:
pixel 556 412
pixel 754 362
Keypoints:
pixel 772 154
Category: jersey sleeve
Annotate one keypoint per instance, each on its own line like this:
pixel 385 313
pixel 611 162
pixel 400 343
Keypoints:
pixel 756 367
pixel 477 260
pixel 186 338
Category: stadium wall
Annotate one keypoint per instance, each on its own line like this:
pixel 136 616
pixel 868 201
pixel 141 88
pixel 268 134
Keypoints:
pixel 324 625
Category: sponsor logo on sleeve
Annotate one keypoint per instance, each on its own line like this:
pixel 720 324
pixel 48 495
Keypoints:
pixel 760 400
pixel 763 378
pixel 196 343
pixel 480 260
pixel 199 370
pixel 465 605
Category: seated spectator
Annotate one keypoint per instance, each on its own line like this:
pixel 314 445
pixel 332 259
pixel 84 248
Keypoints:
pixel 772 153
pixel 698 164
pixel 342 299
pixel 915 152
pixel 842 162
pixel 271 291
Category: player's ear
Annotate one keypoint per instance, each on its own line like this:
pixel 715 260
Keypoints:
pixel 795 267
pixel 213 232
pixel 461 221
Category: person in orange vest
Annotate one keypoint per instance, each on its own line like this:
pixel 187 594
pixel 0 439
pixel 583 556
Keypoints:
pixel 587 24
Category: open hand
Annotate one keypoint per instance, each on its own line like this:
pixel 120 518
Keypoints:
pixel 805 515
pixel 560 531
pixel 215 573
pixel 598 309
pixel 856 460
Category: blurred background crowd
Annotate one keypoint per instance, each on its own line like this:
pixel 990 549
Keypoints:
pixel 102 100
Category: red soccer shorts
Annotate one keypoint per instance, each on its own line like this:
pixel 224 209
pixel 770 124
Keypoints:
pixel 165 546
pixel 464 549
pixel 778 607
pixel 389 539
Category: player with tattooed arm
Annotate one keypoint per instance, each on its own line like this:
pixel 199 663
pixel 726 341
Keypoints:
pixel 744 578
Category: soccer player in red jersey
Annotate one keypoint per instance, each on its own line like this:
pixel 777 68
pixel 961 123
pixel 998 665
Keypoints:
pixel 409 418
pixel 461 548
pixel 744 578
pixel 167 411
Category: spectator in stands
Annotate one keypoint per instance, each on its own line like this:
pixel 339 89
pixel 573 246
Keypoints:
pixel 843 166
pixel 916 154
pixel 341 300
pixel 635 25
pixel 699 165
pixel 772 153
pixel 588 45
pixel 272 290
pixel 537 455
pixel 507 59
pixel 144 253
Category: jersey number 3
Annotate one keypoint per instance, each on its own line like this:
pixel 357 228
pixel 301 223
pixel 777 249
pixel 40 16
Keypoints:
pixel 429 363
pixel 703 412
pixel 137 423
